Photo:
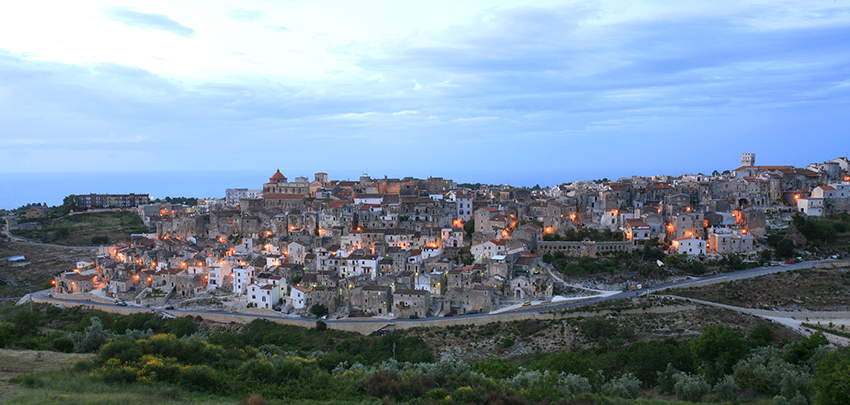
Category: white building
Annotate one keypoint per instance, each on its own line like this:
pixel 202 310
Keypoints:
pixel 220 274
pixel 812 207
pixel 637 230
pixel 689 246
pixel 489 249
pixel 371 199
pixel 298 297
pixel 358 265
pixel 232 196
pixel 242 278
pixel 264 296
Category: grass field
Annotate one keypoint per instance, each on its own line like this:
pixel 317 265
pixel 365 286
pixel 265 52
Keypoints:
pixel 82 229
pixel 63 384
pixel 14 363
pixel 76 387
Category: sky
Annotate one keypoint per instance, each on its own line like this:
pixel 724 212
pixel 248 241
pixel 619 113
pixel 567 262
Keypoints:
pixel 494 91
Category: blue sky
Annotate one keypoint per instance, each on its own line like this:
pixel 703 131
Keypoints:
pixel 481 90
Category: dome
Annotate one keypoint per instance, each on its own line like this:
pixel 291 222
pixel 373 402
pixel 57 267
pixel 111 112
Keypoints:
pixel 277 177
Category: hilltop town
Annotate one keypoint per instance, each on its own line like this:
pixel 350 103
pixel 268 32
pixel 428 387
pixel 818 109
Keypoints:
pixel 417 248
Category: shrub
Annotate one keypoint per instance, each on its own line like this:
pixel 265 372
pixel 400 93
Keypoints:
pixel 114 372
pixel 495 368
pixel 765 372
pixel 383 384
pixel 63 344
pixel 626 386
pixel 801 351
pixel 762 335
pixel 506 342
pixel 201 378
pixel 718 349
pixel 690 388
pixel 832 378
pixel 726 390
pixel 257 370
pixel 570 385
pixel 666 381
pixel 318 310
pixel 122 349
pixel 93 337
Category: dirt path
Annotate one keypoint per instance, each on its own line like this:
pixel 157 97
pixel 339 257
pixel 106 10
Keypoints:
pixel 791 319
pixel 17 362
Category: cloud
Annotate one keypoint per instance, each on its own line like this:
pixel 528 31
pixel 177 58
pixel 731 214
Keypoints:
pixel 561 88
pixel 148 20
pixel 246 15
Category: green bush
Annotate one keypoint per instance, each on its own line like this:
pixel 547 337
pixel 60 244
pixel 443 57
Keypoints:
pixel 201 378
pixel 690 387
pixel 93 338
pixel 626 386
pixel 726 390
pixel 832 378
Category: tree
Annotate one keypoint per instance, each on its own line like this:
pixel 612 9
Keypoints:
pixel 93 337
pixel 832 378
pixel 765 256
pixel 319 310
pixel 801 351
pixel 69 203
pixel 785 248
pixel 469 227
pixel 762 335
pixel 718 349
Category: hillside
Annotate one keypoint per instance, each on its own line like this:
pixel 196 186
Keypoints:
pixel 45 261
pixel 812 289
pixel 85 229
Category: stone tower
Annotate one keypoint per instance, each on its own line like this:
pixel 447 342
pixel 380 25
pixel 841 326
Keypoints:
pixel 748 159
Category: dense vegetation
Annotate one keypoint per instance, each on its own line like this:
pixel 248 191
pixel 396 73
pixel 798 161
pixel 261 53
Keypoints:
pixel 190 201
pixel 583 233
pixel 643 262
pixel 290 363
pixel 820 236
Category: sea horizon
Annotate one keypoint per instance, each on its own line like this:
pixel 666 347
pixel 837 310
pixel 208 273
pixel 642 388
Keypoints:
pixel 21 188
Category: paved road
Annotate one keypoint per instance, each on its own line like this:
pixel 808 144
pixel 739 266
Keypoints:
pixel 42 296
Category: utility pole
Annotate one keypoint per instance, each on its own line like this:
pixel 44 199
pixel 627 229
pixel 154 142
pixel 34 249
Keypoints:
pixel 29 283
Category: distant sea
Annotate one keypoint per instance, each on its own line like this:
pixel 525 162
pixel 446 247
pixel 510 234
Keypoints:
pixel 17 189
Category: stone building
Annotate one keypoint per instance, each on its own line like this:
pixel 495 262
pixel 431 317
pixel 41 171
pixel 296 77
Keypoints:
pixel 371 300
pixel 411 303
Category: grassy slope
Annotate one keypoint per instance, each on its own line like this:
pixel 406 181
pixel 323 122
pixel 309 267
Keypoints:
pixel 814 289
pixel 71 387
pixel 17 362
pixel 81 228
